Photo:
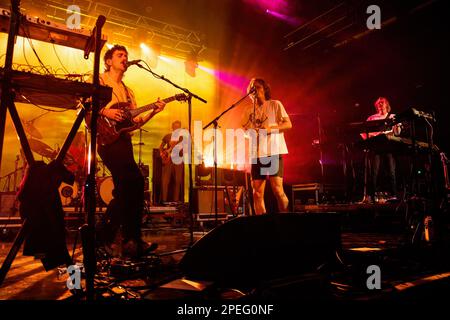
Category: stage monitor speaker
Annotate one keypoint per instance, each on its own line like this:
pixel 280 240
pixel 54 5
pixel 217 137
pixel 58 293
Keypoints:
pixel 204 199
pixel 247 250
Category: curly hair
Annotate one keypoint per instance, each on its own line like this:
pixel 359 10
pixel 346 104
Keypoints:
pixel 110 52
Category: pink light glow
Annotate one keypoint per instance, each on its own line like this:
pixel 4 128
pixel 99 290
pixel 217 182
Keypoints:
pixel 293 21
pixel 233 80
pixel 273 5
pixel 229 79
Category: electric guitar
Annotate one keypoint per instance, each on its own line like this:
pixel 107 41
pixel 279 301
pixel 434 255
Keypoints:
pixel 165 153
pixel 108 130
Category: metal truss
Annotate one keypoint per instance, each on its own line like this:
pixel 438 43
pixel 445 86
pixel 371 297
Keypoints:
pixel 125 27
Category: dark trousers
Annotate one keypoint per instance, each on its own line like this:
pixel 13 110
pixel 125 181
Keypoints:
pixel 169 170
pixel 127 206
pixel 377 160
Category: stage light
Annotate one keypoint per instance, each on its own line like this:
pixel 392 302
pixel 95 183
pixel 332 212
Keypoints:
pixel 145 49
pixel 166 59
pixel 191 65
pixel 109 45
pixel 154 55
pixel 150 53
pixel 293 21
pixel 207 70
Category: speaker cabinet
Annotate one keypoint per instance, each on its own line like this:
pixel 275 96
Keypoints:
pixel 248 250
pixel 225 177
pixel 8 204
pixel 204 199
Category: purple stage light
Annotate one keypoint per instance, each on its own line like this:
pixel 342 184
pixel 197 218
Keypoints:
pixel 293 21
pixel 274 5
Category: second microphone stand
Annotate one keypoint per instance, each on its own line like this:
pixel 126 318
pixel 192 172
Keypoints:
pixel 215 122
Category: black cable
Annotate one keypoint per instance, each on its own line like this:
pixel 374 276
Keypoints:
pixel 154 75
pixel 24 54
pixel 40 107
pixel 57 56
pixel 32 48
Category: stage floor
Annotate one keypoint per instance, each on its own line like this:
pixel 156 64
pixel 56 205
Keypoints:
pixel 367 239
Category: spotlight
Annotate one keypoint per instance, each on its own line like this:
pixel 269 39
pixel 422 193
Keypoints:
pixel 151 53
pixel 155 52
pixel 109 45
pixel 191 65
pixel 166 59
pixel 145 49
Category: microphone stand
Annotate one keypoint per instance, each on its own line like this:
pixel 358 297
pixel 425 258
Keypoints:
pixel 140 147
pixel 215 122
pixel 189 99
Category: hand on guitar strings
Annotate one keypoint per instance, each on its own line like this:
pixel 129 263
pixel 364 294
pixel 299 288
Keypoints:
pixel 114 114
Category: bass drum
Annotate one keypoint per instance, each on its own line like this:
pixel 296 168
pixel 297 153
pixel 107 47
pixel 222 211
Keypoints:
pixel 68 193
pixel 105 187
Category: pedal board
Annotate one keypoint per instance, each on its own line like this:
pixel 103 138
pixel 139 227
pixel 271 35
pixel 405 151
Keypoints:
pixel 120 268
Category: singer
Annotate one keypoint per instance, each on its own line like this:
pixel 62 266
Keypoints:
pixel 270 115
pixel 126 208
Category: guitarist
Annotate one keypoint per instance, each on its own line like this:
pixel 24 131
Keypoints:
pixel 170 169
pixel 127 206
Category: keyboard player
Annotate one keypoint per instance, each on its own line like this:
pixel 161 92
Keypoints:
pixel 383 109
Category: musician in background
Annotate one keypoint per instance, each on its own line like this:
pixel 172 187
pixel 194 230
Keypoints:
pixel 268 114
pixel 127 207
pixel 169 169
pixel 383 109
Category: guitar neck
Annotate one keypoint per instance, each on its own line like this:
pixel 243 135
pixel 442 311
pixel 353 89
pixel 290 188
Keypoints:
pixel 148 107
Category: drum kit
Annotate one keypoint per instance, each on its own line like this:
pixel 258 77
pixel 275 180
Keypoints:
pixel 71 195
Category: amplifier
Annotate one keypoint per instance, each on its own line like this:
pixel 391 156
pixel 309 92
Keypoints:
pixel 204 199
pixel 8 204
pixel 225 177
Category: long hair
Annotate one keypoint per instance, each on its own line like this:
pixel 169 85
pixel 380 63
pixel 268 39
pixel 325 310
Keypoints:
pixel 267 93
pixel 383 99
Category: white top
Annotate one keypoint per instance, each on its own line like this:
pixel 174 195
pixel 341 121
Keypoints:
pixel 377 116
pixel 270 114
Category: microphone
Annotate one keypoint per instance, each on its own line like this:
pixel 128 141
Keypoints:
pixel 252 90
pixel 133 62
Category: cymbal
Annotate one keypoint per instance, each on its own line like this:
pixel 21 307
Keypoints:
pixel 42 149
pixel 31 129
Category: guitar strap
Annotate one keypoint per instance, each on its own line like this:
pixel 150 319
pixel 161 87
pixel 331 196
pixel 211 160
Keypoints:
pixel 127 92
